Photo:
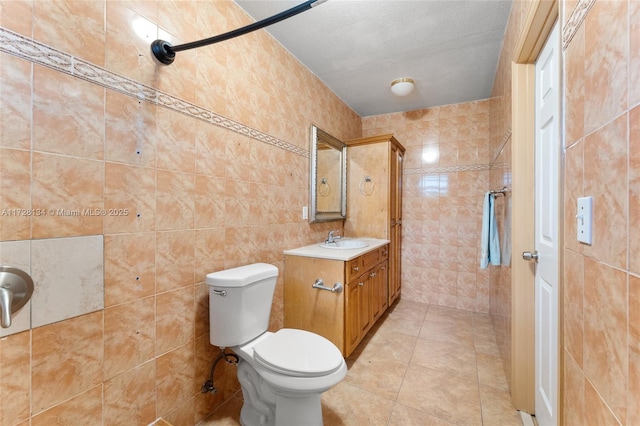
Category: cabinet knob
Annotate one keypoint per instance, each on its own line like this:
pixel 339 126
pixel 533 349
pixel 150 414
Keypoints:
pixel 361 284
pixel 373 274
pixel 356 268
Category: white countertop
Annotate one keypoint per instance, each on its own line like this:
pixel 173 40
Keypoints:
pixel 314 250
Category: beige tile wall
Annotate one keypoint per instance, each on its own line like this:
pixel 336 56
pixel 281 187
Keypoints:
pixel 500 292
pixel 207 157
pixel 602 118
pixel 601 97
pixel 72 143
pixel 601 79
pixel 446 166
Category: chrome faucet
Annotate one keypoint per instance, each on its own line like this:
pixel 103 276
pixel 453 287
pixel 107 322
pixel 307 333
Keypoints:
pixel 331 238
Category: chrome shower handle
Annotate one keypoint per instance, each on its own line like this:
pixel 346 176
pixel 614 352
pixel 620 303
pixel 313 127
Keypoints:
pixel 16 288
pixel 6 297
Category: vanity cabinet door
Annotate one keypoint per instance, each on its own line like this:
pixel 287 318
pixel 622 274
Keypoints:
pixel 364 301
pixel 359 310
pixel 352 322
pixel 312 309
pixel 379 287
pixel 395 225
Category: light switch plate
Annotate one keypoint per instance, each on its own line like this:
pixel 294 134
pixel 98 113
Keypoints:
pixel 584 217
pixel 305 213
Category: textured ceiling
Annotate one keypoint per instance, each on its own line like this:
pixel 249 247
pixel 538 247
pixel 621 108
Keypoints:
pixel 357 47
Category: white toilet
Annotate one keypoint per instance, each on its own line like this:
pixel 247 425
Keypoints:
pixel 282 374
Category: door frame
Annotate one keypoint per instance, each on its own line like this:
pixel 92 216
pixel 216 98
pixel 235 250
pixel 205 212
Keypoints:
pixel 537 25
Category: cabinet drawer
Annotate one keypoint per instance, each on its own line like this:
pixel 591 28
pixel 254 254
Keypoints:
pixel 354 268
pixel 371 259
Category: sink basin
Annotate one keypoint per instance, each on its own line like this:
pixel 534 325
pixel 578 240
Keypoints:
pixel 345 244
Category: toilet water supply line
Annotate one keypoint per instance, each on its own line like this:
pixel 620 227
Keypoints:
pixel 165 52
pixel 230 359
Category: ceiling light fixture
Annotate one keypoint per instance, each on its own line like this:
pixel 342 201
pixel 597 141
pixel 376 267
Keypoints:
pixel 402 86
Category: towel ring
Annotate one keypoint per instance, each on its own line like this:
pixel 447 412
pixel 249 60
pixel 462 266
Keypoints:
pixel 324 189
pixel 367 186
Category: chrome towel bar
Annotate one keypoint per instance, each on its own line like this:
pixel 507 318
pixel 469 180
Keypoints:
pixel 502 191
pixel 337 287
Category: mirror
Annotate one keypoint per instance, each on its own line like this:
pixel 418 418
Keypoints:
pixel 328 177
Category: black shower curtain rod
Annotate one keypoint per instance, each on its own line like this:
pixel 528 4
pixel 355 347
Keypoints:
pixel 166 53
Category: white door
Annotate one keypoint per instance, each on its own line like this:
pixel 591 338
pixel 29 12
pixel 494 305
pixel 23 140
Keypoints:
pixel 548 147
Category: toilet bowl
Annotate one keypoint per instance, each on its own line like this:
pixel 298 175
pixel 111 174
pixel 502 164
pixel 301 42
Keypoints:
pixel 282 374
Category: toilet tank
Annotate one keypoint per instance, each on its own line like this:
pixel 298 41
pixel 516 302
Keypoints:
pixel 240 303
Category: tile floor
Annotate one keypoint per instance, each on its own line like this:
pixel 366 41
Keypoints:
pixel 420 365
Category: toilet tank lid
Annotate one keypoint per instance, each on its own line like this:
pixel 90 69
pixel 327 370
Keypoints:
pixel 242 275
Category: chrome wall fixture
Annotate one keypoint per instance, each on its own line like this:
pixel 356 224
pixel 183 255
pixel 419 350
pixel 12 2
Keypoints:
pixel 367 186
pixel 165 53
pixel 16 288
pixel 500 192
pixel 337 287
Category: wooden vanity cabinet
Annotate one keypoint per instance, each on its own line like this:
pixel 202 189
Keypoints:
pixel 345 317
pixel 380 296
pixel 374 197
pixel 366 301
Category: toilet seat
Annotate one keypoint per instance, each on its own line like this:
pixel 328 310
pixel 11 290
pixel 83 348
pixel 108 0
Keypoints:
pixel 298 353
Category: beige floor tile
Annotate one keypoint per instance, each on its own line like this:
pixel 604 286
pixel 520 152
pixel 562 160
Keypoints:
pixel 453 358
pixel 346 405
pixel 385 344
pixel 405 322
pixel 447 331
pixel 407 416
pixel 442 395
pixel 491 371
pixel 486 343
pixel 409 305
pixel 441 313
pixel 377 374
pixel 497 409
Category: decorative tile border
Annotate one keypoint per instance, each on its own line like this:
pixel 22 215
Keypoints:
pixel 575 20
pixel 505 139
pixel 41 54
pixel 447 169
pixel 500 166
